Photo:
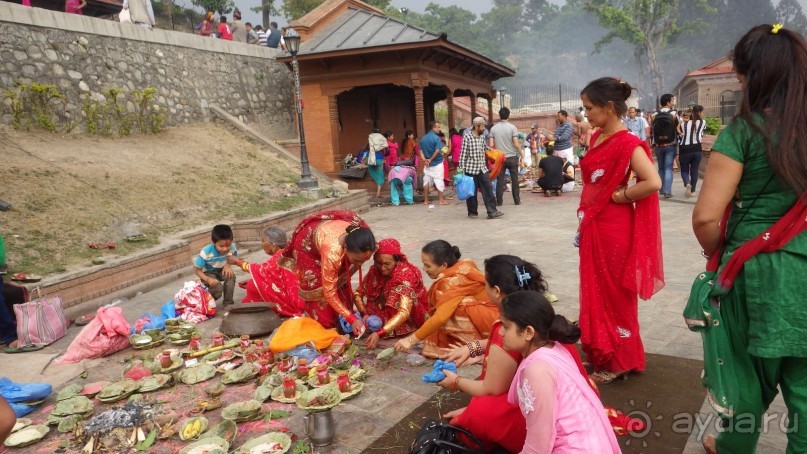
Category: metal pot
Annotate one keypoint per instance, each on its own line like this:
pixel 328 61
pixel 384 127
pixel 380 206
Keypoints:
pixel 254 319
pixel 319 427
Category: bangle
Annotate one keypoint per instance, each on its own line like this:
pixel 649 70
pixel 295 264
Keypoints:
pixel 471 349
pixel 703 253
pixel 457 383
pixel 625 194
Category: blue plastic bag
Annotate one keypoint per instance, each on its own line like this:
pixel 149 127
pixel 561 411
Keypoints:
pixel 169 311
pixel 151 321
pixel 437 375
pixel 307 351
pixel 465 186
pixel 23 392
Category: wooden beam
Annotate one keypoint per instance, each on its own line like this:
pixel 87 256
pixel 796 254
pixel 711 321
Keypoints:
pixel 460 60
pixel 325 64
pixel 440 63
pixel 427 55
pixel 361 60
pixel 400 56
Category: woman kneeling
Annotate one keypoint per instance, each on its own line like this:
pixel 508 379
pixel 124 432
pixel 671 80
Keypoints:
pixel 459 309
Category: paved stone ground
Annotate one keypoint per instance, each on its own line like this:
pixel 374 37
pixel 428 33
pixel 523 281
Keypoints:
pixel 540 230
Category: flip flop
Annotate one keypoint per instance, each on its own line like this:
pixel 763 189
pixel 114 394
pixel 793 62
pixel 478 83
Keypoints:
pixel 25 349
pixel 22 277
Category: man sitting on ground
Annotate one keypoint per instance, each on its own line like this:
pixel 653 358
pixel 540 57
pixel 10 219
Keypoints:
pixel 550 172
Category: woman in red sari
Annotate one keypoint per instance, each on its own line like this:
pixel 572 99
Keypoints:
pixel 327 248
pixel 619 235
pixel 395 293
pixel 272 281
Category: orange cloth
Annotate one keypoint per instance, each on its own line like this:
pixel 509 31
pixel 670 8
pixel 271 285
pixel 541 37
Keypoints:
pixel 495 160
pixel 459 309
pixel 297 331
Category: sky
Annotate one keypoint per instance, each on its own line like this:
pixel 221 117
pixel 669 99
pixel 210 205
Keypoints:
pixel 477 6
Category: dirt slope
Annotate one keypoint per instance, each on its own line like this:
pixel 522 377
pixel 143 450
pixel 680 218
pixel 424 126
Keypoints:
pixel 71 190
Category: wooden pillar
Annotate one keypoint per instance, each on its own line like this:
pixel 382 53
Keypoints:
pixel 490 111
pixel 333 115
pixel 450 107
pixel 420 119
pixel 473 107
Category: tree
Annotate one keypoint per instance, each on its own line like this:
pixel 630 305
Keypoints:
pixel 645 24
pixel 295 9
pixel 789 13
pixel 266 9
pixel 217 6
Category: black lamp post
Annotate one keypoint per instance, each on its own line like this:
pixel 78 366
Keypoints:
pixel 292 40
pixel 502 97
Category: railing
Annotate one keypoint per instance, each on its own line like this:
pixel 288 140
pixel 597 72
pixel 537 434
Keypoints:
pixel 535 98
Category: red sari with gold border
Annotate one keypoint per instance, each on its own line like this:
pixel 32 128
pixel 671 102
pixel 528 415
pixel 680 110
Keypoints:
pixel 274 281
pixel 620 256
pixel 384 293
pixel 321 265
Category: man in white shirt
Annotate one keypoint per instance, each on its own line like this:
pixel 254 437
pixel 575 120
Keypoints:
pixel 141 12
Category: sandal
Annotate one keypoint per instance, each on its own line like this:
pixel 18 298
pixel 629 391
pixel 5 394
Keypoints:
pixel 24 349
pixel 604 377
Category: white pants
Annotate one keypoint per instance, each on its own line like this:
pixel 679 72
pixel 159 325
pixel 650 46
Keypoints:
pixel 434 175
pixel 568 152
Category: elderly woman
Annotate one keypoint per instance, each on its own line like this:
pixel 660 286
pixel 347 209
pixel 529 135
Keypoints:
pixel 459 308
pixel 272 281
pixel 394 292
pixel 327 248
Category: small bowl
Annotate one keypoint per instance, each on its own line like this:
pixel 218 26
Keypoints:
pixel 215 390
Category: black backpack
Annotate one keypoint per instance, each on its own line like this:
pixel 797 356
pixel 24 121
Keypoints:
pixel 440 437
pixel 664 128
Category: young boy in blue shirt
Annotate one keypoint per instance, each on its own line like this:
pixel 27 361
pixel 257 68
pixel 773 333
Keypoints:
pixel 211 264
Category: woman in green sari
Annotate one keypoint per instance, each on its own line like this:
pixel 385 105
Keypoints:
pixel 759 166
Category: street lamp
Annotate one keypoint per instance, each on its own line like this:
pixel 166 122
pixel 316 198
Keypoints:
pixel 292 40
pixel 502 92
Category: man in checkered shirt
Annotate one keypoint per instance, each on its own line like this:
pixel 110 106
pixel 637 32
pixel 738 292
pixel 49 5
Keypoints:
pixel 472 162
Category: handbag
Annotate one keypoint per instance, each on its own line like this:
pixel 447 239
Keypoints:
pixel 440 437
pixel 41 321
pixel 702 313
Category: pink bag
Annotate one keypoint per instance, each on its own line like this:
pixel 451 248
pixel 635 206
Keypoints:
pixel 106 334
pixel 40 321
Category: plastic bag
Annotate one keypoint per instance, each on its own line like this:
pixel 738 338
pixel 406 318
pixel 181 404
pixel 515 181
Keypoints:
pixel 169 310
pixel 148 321
pixel 194 303
pixel 107 333
pixel 307 351
pixel 465 186
pixel 23 392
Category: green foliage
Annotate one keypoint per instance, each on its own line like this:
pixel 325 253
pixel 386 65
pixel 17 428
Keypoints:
pixel 33 105
pixel 295 9
pixel 217 6
pixel 789 13
pixel 147 117
pixel 45 107
pixel 713 125
pixel 647 25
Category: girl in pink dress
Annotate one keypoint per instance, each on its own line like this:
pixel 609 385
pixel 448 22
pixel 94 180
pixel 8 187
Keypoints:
pixel 563 413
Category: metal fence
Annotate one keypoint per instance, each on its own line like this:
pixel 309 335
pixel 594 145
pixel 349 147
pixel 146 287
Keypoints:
pixel 547 97
pixel 723 106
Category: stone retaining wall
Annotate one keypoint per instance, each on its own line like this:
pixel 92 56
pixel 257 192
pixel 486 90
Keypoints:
pixel 84 56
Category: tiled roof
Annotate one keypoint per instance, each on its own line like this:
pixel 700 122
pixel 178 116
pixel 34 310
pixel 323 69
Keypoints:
pixel 356 29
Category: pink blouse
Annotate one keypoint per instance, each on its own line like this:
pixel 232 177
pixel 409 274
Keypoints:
pixel 71 6
pixel 563 413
